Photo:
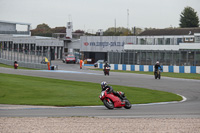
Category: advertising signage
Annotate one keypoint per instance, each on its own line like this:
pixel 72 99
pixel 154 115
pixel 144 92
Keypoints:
pixel 103 43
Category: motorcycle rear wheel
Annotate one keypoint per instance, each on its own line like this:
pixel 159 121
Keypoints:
pixel 108 103
pixel 127 105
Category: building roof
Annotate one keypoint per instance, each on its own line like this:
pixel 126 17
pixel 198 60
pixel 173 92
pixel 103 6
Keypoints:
pixel 177 31
pixel 8 22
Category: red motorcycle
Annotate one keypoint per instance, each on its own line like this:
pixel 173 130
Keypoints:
pixel 106 71
pixel 15 65
pixel 111 101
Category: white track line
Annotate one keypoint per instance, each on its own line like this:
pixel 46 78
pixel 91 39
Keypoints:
pixel 63 71
pixel 54 107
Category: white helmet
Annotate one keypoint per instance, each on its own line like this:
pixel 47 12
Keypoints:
pixel 157 62
pixel 103 84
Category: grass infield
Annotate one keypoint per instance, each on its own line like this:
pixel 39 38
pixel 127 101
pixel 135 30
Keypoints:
pixel 164 74
pixel 27 90
pixel 9 66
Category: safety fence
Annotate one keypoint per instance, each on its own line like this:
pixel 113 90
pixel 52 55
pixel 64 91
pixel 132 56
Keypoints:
pixel 168 58
pixel 34 57
pixel 25 58
pixel 150 68
pixel 25 64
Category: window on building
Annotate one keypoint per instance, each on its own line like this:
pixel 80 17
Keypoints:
pixel 150 41
pixel 186 39
pixel 189 39
pixel 197 61
pixel 142 41
pixel 179 40
pixel 160 41
pixel 167 41
pixel 197 39
pixel 149 58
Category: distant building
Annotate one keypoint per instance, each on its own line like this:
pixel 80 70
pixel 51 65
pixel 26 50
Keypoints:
pixel 71 41
pixel 98 47
pixel 13 40
pixel 169 46
pixel 7 27
pixel 69 30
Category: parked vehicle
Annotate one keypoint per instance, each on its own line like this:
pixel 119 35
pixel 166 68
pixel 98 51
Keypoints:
pixel 157 74
pixel 99 61
pixel 111 101
pixel 70 59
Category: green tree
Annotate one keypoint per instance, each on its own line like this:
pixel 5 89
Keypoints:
pixel 43 27
pixel 59 30
pixel 119 31
pixel 79 31
pixel 189 18
pixel 42 30
pixel 45 30
pixel 136 31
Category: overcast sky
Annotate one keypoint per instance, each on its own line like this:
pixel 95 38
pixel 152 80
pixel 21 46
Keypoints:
pixel 96 14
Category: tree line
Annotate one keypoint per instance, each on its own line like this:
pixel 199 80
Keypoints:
pixel 188 18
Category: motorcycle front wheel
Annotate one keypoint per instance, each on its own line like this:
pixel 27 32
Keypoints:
pixel 108 103
pixel 159 76
pixel 127 105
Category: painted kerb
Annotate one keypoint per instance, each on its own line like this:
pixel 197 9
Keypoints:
pixel 150 68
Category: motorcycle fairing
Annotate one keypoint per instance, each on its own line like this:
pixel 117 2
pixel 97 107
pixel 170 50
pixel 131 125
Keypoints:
pixel 116 100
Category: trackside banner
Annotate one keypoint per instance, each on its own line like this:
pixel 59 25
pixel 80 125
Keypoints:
pixel 104 43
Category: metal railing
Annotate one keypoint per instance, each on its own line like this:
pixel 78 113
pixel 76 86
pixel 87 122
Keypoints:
pixel 15 32
pixel 25 64
pixel 171 58
pixel 29 59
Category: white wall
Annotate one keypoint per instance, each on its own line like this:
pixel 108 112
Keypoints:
pixel 105 43
pixel 7 27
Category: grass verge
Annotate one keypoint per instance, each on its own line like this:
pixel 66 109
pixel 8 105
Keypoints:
pixel 27 90
pixel 8 66
pixel 165 74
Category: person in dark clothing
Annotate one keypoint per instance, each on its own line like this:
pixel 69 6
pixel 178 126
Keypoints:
pixel 157 65
pixel 106 65
pixel 106 68
pixel 105 86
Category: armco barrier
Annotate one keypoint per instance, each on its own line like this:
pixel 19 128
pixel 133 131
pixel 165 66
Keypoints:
pixel 150 68
pixel 25 64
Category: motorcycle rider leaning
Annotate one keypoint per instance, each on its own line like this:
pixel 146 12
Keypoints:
pixel 105 86
pixel 157 65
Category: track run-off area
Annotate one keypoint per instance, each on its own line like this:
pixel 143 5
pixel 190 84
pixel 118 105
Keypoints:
pixel 189 89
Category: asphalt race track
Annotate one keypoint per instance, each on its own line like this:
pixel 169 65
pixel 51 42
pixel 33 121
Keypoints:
pixel 190 89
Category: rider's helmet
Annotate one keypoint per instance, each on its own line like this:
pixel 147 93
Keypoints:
pixel 157 62
pixel 103 84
